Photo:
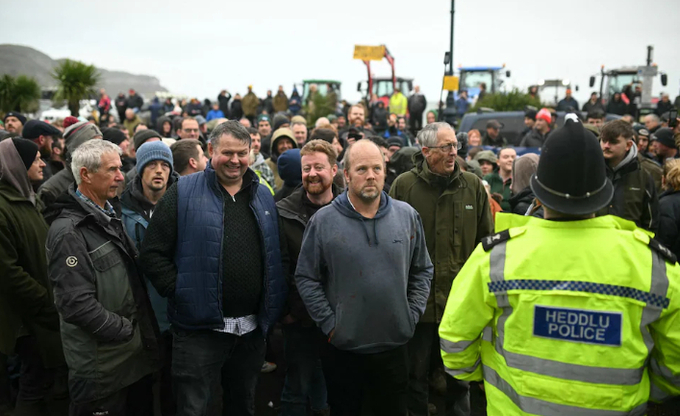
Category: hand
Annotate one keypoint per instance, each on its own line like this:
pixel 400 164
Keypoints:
pixel 330 334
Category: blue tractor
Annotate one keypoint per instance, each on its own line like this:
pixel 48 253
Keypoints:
pixel 471 77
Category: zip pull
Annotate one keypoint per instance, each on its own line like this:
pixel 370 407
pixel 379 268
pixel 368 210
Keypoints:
pixel 233 198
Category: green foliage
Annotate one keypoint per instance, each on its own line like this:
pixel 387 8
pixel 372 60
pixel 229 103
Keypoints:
pixel 514 100
pixel 76 81
pixel 319 106
pixel 19 94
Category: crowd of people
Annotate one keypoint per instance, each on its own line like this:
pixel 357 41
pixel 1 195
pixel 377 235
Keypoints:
pixel 144 264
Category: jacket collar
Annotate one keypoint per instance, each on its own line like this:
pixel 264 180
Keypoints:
pixel 291 206
pixel 423 171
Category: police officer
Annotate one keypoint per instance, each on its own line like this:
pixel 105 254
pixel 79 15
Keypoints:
pixel 573 315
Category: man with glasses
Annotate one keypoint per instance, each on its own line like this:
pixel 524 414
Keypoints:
pixel 188 129
pixel 454 208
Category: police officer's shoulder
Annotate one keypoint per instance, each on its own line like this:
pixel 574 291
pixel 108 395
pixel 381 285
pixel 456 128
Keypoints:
pixel 493 240
pixel 656 246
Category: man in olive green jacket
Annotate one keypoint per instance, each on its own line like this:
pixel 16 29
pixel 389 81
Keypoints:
pixel 454 208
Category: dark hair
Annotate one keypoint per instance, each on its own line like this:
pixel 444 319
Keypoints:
pixel 598 114
pixel 614 129
pixel 253 131
pixel 183 119
pixel 326 135
pixel 379 141
pixel 231 128
pixel 182 151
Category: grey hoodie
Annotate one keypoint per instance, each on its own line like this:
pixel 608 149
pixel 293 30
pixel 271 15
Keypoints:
pixel 368 279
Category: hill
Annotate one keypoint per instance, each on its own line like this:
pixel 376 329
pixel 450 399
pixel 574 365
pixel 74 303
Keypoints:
pixel 17 60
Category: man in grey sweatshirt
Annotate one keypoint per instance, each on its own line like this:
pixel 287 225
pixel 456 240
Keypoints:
pixel 364 275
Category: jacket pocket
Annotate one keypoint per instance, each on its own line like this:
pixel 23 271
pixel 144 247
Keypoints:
pixel 112 281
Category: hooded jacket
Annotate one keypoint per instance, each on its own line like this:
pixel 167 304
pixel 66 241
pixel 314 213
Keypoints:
pixel 456 216
pixel 290 171
pixel 522 202
pixel 365 279
pixel 295 102
pixel 398 104
pixel 159 125
pixel 109 333
pixel 295 212
pixel 26 300
pixel 379 117
pixel 271 161
pixel 635 198
pixel 236 109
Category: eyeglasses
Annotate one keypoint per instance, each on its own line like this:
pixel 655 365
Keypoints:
pixel 447 147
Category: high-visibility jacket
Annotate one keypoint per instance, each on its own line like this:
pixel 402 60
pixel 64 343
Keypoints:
pixel 398 104
pixel 566 318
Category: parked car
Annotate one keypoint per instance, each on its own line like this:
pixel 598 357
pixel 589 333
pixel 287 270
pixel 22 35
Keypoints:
pixel 512 121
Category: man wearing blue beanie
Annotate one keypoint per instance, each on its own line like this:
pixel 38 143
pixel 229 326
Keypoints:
pixel 155 174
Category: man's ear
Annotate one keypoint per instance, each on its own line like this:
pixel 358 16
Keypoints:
pixel 193 163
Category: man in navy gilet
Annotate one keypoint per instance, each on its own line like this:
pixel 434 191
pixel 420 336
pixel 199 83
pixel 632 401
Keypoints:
pixel 213 249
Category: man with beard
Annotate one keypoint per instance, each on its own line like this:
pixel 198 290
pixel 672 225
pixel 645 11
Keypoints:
pixel 43 135
pixel 635 198
pixel 14 122
pixel 303 340
pixel 155 175
pixel 364 276
pixel 356 116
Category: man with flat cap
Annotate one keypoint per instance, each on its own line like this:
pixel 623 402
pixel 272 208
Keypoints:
pixel 572 314
pixel 43 135
pixel 14 122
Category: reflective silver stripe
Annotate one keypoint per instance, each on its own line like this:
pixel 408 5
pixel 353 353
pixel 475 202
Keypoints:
pixel 454 347
pixel 664 372
pixel 656 393
pixel 566 371
pixel 576 372
pixel 659 286
pixel 462 371
pixel 487 335
pixel 546 408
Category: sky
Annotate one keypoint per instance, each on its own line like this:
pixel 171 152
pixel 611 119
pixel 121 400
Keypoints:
pixel 199 47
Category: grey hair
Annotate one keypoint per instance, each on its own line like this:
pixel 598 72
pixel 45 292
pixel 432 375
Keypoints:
pixel 654 117
pixel 427 137
pixel 232 128
pixel 89 155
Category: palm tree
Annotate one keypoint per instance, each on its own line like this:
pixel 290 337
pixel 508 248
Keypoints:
pixel 27 92
pixel 76 82
pixel 19 94
pixel 6 93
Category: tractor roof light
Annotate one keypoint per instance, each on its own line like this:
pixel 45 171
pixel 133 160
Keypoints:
pixel 541 82
pixel 565 82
